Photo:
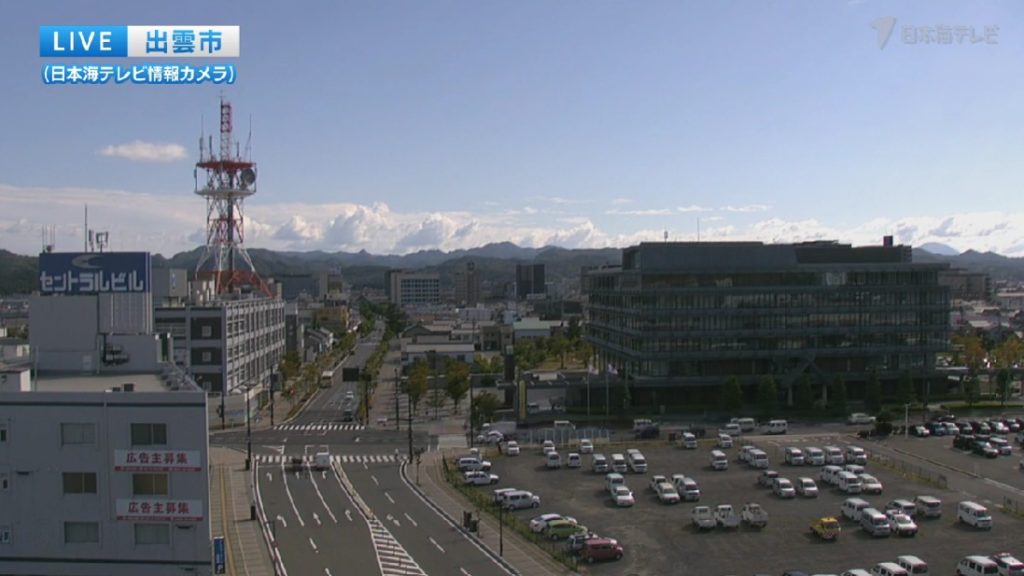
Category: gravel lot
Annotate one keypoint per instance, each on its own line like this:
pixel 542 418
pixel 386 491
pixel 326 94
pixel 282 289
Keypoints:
pixel 659 540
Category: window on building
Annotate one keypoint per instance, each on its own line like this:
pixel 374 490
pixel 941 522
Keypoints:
pixel 5 481
pixel 149 485
pixel 5 534
pixel 151 534
pixel 149 434
pixel 207 331
pixel 3 432
pixel 207 357
pixel 77 433
pixel 81 532
pixel 79 482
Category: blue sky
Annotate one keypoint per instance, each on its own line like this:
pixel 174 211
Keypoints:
pixel 402 125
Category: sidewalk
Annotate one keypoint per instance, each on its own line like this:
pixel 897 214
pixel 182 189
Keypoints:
pixel 230 498
pixel 527 559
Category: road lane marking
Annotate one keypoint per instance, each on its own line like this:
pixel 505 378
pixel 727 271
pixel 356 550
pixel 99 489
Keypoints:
pixel 464 572
pixel 374 478
pixel 348 514
pixel 288 491
pixel 327 572
pixel 270 477
pixel 284 523
pixel 436 545
pixel 411 521
pixel 316 517
pixel 312 478
pixel 313 544
pixel 394 520
pixel 388 496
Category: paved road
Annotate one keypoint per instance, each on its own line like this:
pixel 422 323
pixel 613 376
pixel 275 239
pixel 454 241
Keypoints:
pixel 437 547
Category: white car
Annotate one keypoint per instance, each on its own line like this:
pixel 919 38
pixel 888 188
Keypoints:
pixel 539 523
pixel 1008 565
pixel 547 446
pixel 783 488
pixel 860 418
pixel 814 456
pixel 724 440
pixel 869 484
pixel 622 496
pixel 794 456
pixel 657 479
pixel 667 493
pixel 479 478
pixel 806 487
pixel 901 524
pixel 586 446
pixel 512 448
pixel 702 517
pixel 491 437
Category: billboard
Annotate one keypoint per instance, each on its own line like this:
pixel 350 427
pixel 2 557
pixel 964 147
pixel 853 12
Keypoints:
pixel 92 272
pixel 157 461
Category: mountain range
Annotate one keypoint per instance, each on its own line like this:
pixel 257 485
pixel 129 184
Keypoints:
pixel 495 263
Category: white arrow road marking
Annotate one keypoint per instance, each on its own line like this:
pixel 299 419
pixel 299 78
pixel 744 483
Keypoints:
pixel 374 478
pixel 278 449
pixel 270 477
pixel 388 496
pixel 348 514
pixel 313 544
pixel 394 520
pixel 464 572
pixel 323 475
pixel 365 467
pixel 289 492
pixel 316 517
pixel 316 486
pixel 284 523
pixel 436 545
pixel 411 521
pixel 327 572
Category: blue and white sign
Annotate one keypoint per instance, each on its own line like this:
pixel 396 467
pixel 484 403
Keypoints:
pixel 219 560
pixel 92 273
pixel 186 41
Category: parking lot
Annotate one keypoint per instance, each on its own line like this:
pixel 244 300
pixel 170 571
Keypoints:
pixel 659 539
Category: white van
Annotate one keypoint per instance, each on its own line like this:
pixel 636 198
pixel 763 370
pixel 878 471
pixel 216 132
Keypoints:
pixel 928 506
pixel 758 458
pixel 519 499
pixel 856 455
pixel 599 464
pixel 637 462
pixel 913 565
pixel 888 569
pixel 776 427
pixel 814 456
pixel 553 460
pixel 688 441
pixel 829 474
pixel 563 425
pixel 833 455
pixel 849 482
pixel 874 522
pixel 852 508
pixel 322 460
pixel 745 424
pixel 794 456
pixel 719 461
pixel 974 514
pixel 613 479
pixel 619 464
pixel 977 566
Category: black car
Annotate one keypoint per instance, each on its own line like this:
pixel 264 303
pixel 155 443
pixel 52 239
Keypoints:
pixel 963 441
pixel 985 449
pixel 648 432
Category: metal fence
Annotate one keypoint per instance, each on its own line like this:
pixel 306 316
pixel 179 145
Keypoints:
pixel 563 436
pixel 1013 507
pixel 909 471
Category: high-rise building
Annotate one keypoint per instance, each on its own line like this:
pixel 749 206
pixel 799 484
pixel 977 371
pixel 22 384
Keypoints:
pixel 467 285
pixel 675 318
pixel 529 280
pixel 405 287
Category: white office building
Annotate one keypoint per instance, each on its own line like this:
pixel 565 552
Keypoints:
pixel 103 475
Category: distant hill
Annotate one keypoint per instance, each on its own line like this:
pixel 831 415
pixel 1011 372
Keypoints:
pixel 18 274
pixel 940 249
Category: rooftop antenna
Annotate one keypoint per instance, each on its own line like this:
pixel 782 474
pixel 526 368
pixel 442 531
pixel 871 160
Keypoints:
pixel 698 228
pixel 666 235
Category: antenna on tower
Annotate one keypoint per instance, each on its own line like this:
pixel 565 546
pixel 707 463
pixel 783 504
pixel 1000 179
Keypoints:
pixel 698 228
pixel 666 235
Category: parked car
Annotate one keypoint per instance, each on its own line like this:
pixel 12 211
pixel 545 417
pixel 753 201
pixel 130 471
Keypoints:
pixel 547 446
pixel 963 441
pixel 794 456
pixel 689 490
pixel 1008 565
pixel 702 517
pixel 539 523
pixel 826 528
pixel 860 418
pixel 783 488
pixel 984 449
pixel 731 429
pixel 976 566
pixel 920 431
pixel 586 446
pixel 490 437
pixel 900 524
pixel 622 496
pixel 869 484
pixel 573 460
pixel 600 549
pixel 479 478
pixel 726 517
pixel 655 480
pixel 766 478
pixel 724 441
pixel 902 505
pixel 1001 445
pixel 512 448
pixel 688 441
pixel 667 493
pixel 599 464
pixel 814 456
pixel 575 542
pixel 754 515
pixel 560 529
pixel 928 506
pixel 806 487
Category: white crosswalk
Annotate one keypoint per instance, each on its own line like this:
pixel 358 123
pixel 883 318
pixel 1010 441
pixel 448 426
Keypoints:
pixel 335 458
pixel 392 557
pixel 326 427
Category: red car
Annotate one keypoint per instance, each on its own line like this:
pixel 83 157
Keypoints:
pixel 601 549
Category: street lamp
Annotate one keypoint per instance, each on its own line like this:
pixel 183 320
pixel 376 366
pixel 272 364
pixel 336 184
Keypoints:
pixel 906 420
pixel 248 430
pixel 398 417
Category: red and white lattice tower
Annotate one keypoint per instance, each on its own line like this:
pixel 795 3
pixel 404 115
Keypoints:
pixel 228 181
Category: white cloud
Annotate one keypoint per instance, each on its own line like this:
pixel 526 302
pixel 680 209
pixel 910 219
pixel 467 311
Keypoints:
pixel 692 208
pixel 621 201
pixel 139 151
pixel 646 212
pixel 169 224
pixel 746 208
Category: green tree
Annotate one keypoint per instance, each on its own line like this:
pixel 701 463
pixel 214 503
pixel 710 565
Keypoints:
pixel 417 382
pixel 558 346
pixel 436 399
pixel 1003 385
pixel 805 394
pixel 837 399
pixel 485 405
pixel 873 392
pixel 905 388
pixel 290 365
pixel 457 381
pixel 731 395
pixel 971 390
pixel 768 396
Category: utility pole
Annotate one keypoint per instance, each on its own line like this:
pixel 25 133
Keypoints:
pixel 273 381
pixel 248 431
pixel 409 429
pixel 398 416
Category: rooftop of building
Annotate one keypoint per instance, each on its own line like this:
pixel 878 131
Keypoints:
pixel 65 382
pixel 438 347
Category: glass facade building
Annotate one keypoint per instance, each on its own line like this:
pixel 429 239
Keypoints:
pixel 674 315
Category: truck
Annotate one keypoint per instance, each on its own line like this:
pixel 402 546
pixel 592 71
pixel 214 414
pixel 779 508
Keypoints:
pixel 322 460
pixel 753 515
pixel 726 517
pixel 826 528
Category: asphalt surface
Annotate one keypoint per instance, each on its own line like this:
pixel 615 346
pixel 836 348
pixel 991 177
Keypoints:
pixel 659 539
pixel 358 516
